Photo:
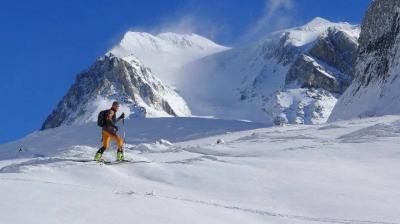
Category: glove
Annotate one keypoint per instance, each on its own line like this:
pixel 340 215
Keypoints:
pixel 122 116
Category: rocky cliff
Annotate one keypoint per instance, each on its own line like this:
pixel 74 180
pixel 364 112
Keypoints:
pixel 290 76
pixel 112 78
pixel 375 89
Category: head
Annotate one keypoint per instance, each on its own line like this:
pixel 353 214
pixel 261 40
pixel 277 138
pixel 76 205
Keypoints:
pixel 115 106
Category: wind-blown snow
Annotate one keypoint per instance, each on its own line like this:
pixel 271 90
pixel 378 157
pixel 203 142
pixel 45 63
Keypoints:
pixel 165 53
pixel 310 32
pixel 240 83
pixel 345 172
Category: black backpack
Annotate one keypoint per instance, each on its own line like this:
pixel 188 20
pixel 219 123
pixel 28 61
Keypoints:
pixel 101 118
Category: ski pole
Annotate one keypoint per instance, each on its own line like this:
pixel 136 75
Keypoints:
pixel 123 127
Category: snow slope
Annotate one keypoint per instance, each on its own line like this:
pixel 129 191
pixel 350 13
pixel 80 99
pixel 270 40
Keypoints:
pixel 375 90
pixel 243 83
pixel 165 53
pixel 344 172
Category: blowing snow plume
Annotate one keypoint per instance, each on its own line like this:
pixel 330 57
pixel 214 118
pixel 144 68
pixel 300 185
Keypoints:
pixel 277 14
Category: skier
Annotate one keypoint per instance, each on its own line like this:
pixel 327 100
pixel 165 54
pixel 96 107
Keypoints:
pixel 109 132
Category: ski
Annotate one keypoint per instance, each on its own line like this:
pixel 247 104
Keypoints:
pixel 83 160
pixel 105 162
pixel 124 161
pixel 101 162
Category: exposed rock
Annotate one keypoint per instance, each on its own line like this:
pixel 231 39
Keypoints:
pixel 113 78
pixel 375 90
pixel 283 51
pixel 244 83
pixel 337 49
pixel 307 73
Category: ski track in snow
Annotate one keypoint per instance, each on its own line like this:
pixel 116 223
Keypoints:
pixel 43 161
pixel 257 211
pixel 257 152
pixel 214 204
pixel 281 215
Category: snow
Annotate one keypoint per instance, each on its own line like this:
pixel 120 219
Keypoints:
pixel 166 92
pixel 343 172
pixel 375 89
pixel 374 100
pixel 310 32
pixel 165 53
pixel 94 107
pixel 237 83
pixel 319 67
pixel 301 106
pixel 126 81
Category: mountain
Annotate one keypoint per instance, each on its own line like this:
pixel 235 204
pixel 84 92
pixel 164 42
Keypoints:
pixel 165 53
pixel 375 90
pixel 290 76
pixel 126 73
pixel 113 78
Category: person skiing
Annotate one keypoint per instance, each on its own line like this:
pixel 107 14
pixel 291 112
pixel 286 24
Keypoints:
pixel 109 132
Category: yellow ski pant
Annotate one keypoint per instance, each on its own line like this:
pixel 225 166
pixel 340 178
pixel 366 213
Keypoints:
pixel 107 137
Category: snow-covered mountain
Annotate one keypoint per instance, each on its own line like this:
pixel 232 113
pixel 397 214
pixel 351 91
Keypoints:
pixel 291 76
pixel 375 90
pixel 126 73
pixel 113 78
pixel 137 72
pixel 166 53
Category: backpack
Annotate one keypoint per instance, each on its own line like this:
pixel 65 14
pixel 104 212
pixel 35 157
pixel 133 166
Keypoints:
pixel 101 118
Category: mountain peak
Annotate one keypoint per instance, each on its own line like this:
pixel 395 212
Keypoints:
pixel 133 42
pixel 111 78
pixel 318 21
pixel 166 52
pixel 172 34
pixel 310 32
pixel 187 36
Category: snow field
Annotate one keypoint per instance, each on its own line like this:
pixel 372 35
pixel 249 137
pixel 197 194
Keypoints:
pixel 344 172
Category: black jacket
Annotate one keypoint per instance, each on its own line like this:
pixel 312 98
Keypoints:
pixel 110 125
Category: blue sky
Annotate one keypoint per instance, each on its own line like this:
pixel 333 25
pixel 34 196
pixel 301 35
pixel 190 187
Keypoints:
pixel 44 44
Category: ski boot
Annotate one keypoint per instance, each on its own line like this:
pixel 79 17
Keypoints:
pixel 98 156
pixel 120 156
